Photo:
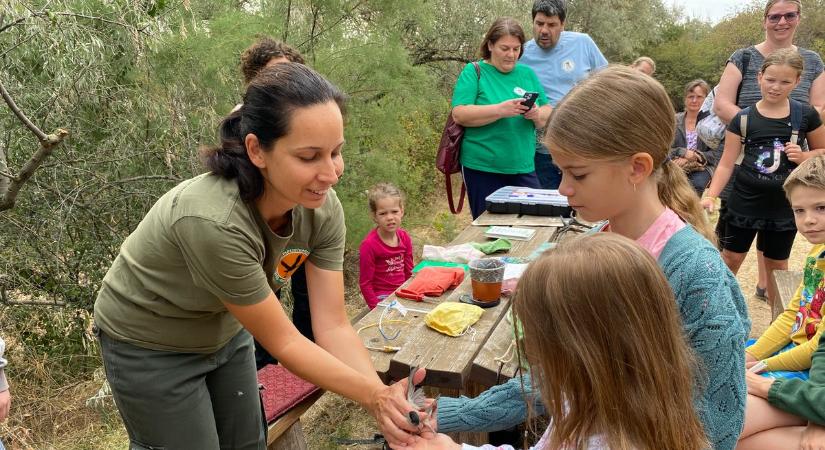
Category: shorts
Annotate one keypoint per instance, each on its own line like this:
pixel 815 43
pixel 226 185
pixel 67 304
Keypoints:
pixel 773 244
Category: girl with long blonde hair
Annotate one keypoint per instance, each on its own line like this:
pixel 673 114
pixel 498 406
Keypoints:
pixel 614 369
pixel 612 135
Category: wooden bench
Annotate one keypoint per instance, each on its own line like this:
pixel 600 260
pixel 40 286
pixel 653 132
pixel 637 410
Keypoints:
pixel 785 282
pixel 285 398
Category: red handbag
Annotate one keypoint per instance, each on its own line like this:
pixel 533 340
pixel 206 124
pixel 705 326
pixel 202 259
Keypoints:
pixel 447 160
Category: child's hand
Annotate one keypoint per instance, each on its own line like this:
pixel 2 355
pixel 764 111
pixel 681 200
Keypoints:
pixel 813 438
pixel 749 364
pixel 438 442
pixel 795 153
pixel 758 385
pixel 709 203
pixel 5 404
pixel 750 359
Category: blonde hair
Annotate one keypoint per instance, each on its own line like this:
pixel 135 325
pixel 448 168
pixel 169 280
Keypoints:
pixel 772 3
pixel 785 57
pixel 383 190
pixel 810 173
pixel 644 59
pixel 603 336
pixel 616 113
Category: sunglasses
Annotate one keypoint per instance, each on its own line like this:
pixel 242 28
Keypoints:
pixel 789 17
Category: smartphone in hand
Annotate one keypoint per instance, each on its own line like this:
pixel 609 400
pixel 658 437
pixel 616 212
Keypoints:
pixel 530 99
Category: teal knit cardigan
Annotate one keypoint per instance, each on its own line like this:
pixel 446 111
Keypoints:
pixel 715 321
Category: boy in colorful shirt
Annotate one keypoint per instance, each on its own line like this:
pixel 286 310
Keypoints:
pixel 790 412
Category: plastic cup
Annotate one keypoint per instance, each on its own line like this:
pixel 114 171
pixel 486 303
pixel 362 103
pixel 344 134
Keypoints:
pixel 486 276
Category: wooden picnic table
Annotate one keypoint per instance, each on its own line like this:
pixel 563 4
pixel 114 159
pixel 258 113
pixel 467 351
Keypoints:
pixel 455 365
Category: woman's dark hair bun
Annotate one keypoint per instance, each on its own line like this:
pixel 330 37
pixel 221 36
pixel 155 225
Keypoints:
pixel 269 103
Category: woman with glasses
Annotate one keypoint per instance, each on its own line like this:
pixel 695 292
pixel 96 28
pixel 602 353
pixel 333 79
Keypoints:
pixel 781 19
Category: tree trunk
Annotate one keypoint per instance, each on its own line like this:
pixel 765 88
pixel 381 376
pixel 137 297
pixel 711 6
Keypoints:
pixel 4 171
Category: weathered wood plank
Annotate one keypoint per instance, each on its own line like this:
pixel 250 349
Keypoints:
pixel 486 370
pixel 449 359
pixel 285 432
pixel 786 282
pixel 292 439
pixel 517 220
pixel 371 337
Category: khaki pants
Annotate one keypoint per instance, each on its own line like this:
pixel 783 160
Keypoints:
pixel 184 401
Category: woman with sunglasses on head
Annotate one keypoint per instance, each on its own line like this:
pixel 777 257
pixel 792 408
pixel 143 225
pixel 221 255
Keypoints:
pixel 780 21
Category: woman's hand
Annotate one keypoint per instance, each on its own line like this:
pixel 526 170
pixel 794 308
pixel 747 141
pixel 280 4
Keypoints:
pixel 532 113
pixel 750 358
pixel 795 153
pixel 511 108
pixel 680 161
pixel 758 385
pixel 438 442
pixel 813 438
pixel 391 410
pixel 690 155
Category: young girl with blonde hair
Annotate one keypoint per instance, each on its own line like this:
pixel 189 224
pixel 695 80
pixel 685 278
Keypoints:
pixel 610 137
pixel 386 253
pixel 756 206
pixel 606 385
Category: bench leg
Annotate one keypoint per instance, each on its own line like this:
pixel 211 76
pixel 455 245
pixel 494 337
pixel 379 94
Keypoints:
pixel 291 439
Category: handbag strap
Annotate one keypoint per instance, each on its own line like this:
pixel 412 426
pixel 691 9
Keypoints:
pixel 450 201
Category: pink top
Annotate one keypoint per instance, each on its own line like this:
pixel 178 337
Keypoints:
pixel 384 268
pixel 656 237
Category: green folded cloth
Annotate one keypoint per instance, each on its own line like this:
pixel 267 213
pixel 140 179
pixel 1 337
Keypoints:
pixel 499 245
pixel 427 263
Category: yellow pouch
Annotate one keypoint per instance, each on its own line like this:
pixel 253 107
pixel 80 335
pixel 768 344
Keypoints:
pixel 453 318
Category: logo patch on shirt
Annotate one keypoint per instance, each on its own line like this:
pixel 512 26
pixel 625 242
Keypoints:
pixel 291 260
pixel 568 65
pixel 519 91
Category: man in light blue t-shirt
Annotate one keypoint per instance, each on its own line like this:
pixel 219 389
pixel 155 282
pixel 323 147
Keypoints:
pixel 560 59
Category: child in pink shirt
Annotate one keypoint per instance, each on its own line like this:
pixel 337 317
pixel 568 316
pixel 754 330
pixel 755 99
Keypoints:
pixel 386 253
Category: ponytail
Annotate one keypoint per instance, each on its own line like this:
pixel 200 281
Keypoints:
pixel 676 193
pixel 270 101
pixel 230 160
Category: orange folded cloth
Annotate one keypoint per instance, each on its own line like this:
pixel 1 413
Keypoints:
pixel 431 282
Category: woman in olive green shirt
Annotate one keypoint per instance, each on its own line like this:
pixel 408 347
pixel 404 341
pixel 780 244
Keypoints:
pixel 176 308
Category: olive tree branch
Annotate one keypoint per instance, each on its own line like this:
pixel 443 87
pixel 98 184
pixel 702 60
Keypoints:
pixel 47 143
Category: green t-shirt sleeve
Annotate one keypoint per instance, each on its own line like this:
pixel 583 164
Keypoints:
pixel 466 87
pixel 222 259
pixel 329 236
